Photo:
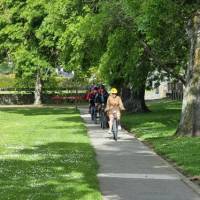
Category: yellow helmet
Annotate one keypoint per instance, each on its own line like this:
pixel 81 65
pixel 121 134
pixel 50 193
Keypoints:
pixel 113 91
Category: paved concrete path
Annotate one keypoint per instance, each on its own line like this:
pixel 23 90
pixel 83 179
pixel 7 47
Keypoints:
pixel 129 170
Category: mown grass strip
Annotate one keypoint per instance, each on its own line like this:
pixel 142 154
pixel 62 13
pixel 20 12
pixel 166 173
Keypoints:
pixel 45 154
pixel 158 128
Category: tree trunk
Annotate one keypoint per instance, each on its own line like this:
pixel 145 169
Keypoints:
pixel 134 100
pixel 38 90
pixel 190 117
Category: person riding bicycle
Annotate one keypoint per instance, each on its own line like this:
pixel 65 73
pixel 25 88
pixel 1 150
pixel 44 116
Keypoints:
pixel 92 97
pixel 114 104
pixel 102 95
pixel 101 101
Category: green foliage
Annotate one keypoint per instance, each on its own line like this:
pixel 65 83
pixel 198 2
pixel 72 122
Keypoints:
pixel 19 37
pixel 7 81
pixel 162 24
pixel 46 155
pixel 112 36
pixel 158 128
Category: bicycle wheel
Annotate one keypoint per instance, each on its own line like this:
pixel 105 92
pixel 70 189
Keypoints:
pixel 93 113
pixel 115 129
pixel 95 116
pixel 104 120
pixel 101 118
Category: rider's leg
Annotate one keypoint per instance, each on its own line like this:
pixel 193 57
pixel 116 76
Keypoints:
pixel 89 110
pixel 111 117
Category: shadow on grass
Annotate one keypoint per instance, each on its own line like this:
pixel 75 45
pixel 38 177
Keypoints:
pixel 161 121
pixel 53 171
pixel 71 115
pixel 158 129
pixel 183 150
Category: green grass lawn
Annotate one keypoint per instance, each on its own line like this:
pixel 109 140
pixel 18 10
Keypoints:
pixel 158 128
pixel 45 154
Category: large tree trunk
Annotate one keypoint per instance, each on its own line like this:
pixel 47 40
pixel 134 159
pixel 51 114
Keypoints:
pixel 190 117
pixel 38 89
pixel 134 100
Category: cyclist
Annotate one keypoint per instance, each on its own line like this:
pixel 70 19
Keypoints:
pixel 87 95
pixel 102 96
pixel 114 103
pixel 93 99
pixel 101 100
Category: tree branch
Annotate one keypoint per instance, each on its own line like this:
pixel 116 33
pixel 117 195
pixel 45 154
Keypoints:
pixel 164 66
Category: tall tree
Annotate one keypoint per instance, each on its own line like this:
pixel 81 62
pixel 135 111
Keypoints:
pixel 190 118
pixel 107 38
pixel 22 38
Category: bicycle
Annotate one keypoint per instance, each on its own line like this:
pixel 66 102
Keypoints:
pixel 94 111
pixel 115 126
pixel 103 117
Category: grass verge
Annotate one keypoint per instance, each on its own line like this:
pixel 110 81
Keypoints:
pixel 157 128
pixel 45 154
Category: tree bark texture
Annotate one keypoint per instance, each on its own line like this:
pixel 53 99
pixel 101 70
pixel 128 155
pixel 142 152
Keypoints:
pixel 38 89
pixel 134 100
pixel 190 117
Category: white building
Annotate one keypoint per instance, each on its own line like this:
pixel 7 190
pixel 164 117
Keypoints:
pixel 166 89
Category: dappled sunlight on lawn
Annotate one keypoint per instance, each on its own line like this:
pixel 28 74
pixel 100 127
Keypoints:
pixel 158 128
pixel 46 155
